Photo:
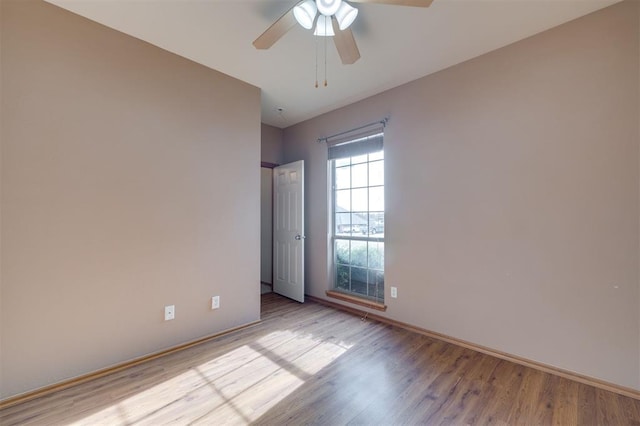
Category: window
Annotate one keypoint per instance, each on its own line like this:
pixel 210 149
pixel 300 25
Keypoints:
pixel 357 193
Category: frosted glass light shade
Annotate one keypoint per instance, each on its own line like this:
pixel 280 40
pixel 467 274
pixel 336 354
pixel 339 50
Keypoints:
pixel 328 7
pixel 345 15
pixel 324 27
pixel 305 13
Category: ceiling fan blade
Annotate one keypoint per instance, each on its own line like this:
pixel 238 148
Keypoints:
pixel 413 3
pixel 276 31
pixel 345 43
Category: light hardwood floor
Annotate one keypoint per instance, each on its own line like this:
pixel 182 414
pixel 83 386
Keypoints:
pixel 310 364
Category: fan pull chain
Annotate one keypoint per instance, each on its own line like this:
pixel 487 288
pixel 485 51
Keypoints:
pixel 325 52
pixel 325 55
pixel 316 62
pixel 325 61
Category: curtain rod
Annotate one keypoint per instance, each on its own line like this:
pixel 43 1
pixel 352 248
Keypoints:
pixel 384 122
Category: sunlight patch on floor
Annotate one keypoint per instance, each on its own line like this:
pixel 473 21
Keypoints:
pixel 237 387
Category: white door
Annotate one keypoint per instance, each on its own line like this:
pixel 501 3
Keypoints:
pixel 288 230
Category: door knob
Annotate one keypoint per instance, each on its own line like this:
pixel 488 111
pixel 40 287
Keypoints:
pixel 300 237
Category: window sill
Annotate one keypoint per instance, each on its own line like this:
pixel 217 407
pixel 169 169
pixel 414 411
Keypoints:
pixel 357 300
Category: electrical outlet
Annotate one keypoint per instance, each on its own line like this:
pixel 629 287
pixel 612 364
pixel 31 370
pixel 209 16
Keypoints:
pixel 169 312
pixel 215 302
pixel 394 292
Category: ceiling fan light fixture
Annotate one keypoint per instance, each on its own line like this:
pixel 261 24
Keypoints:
pixel 328 7
pixel 345 15
pixel 324 27
pixel 305 13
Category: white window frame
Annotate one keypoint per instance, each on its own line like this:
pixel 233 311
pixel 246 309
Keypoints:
pixel 368 238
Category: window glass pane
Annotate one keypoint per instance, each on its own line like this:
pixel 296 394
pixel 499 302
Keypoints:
pixel 343 177
pixel 359 281
pixel 376 218
pixel 342 277
pixel 376 198
pixel 359 253
pixel 376 173
pixel 360 200
pixel 342 252
pixel 343 200
pixel 342 162
pixel 376 224
pixel 358 223
pixel 359 175
pixel 376 284
pixel 343 223
pixel 359 159
pixel 376 255
pixel 376 156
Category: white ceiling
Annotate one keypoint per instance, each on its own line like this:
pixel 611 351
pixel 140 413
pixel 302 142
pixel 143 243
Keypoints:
pixel 398 44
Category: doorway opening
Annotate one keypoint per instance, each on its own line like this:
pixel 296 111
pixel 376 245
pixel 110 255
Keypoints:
pixel 266 227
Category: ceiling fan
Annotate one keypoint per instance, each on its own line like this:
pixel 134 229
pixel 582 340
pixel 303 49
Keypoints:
pixel 331 18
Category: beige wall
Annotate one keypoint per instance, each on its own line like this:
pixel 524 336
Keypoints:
pixel 512 197
pixel 1 133
pixel 129 182
pixel 272 146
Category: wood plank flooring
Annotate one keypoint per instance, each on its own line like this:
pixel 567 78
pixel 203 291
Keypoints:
pixel 310 364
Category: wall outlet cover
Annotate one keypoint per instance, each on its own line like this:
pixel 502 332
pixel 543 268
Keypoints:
pixel 169 312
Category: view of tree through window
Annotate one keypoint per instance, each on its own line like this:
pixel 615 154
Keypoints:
pixel 358 202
